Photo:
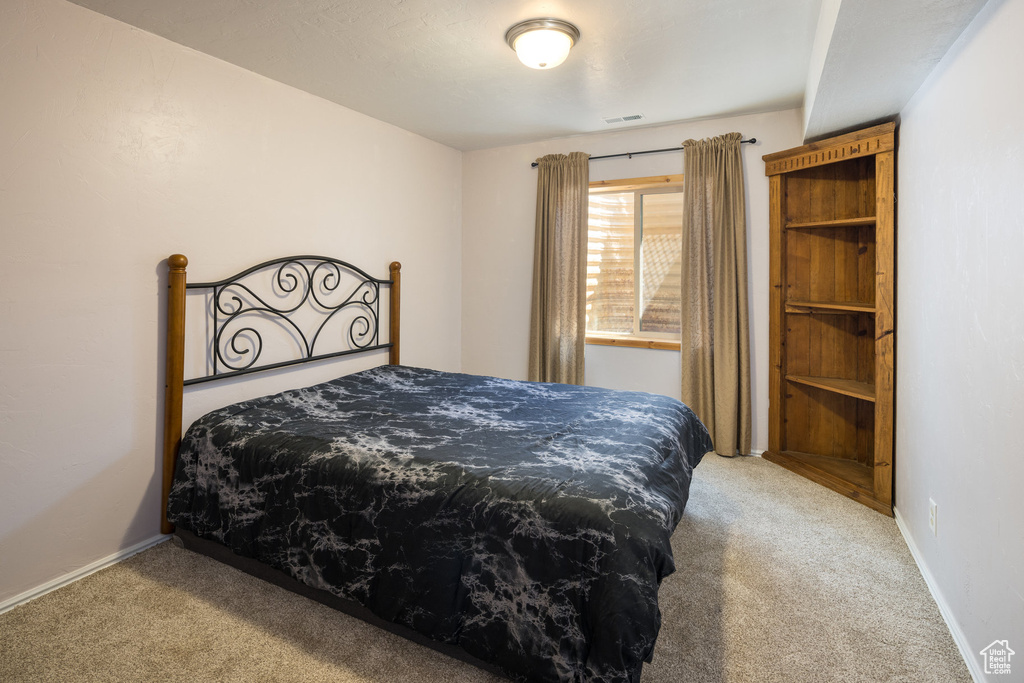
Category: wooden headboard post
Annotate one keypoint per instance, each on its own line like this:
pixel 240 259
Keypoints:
pixel 174 377
pixel 396 297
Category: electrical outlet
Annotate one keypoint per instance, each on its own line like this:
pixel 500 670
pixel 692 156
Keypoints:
pixel 933 511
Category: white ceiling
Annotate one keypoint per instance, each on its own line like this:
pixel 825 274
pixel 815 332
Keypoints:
pixel 441 68
pixel 876 54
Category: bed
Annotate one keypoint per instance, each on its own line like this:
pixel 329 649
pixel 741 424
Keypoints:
pixel 524 527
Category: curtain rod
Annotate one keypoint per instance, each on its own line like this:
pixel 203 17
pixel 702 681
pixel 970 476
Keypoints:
pixel 648 151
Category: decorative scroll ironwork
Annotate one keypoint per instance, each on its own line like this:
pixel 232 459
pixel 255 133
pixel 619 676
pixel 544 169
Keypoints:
pixel 299 296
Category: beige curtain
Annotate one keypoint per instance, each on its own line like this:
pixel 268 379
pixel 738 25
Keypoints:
pixel 558 313
pixel 715 329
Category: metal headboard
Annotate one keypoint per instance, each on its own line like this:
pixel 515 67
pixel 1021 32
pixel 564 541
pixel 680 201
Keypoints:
pixel 239 306
pixel 234 344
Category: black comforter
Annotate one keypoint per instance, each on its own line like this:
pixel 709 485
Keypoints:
pixel 527 523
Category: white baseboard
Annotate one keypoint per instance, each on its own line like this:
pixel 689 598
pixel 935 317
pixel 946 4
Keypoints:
pixel 71 577
pixel 973 665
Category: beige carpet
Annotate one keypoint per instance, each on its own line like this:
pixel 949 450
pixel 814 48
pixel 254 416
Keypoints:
pixel 777 580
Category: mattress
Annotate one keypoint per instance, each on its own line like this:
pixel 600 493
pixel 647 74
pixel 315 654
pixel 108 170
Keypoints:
pixel 527 523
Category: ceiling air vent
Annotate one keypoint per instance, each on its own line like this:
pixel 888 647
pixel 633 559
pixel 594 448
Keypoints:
pixel 624 119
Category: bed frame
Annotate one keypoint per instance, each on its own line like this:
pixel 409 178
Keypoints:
pixel 238 305
pixel 234 348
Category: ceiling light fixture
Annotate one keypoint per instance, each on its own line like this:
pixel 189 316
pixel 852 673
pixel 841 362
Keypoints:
pixel 542 43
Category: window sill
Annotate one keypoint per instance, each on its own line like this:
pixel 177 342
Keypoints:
pixel 635 342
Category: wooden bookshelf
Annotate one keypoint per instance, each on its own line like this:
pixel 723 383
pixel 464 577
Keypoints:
pixel 832 317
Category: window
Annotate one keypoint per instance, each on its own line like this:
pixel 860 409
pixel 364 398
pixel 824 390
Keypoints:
pixel 634 262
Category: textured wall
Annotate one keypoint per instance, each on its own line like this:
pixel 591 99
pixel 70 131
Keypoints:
pixel 960 342
pixel 499 200
pixel 118 148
